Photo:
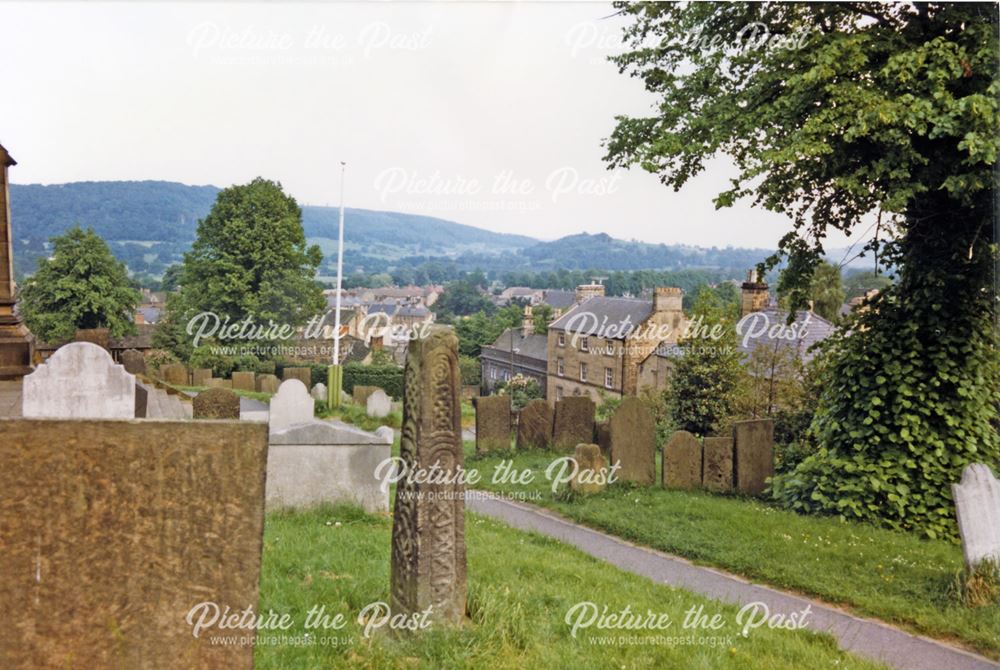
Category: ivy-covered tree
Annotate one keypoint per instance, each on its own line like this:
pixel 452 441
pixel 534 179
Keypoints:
pixel 847 116
pixel 250 259
pixel 826 291
pixel 81 285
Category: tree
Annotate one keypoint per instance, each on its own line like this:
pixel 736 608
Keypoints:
pixel 250 260
pixel 826 292
pixel 702 391
pixel 851 113
pixel 81 285
pixel 859 283
pixel 462 298
pixel 541 316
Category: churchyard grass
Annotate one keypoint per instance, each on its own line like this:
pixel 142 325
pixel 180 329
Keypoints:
pixel 520 588
pixel 895 576
pixel 253 395
pixel 358 416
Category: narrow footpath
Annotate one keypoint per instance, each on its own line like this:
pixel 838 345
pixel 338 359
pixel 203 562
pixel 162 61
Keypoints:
pixel 864 637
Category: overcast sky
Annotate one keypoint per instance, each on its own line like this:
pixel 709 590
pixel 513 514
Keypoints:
pixel 485 114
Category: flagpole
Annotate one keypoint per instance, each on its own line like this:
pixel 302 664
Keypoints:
pixel 335 376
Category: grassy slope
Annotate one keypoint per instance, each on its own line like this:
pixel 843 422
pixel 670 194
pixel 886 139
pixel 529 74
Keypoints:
pixel 895 576
pixel 520 587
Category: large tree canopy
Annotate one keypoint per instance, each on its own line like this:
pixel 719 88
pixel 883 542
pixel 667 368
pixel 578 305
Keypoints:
pixel 81 285
pixel 847 111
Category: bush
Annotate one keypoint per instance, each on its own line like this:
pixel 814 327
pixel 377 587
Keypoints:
pixel 387 377
pixel 470 370
pixel 159 357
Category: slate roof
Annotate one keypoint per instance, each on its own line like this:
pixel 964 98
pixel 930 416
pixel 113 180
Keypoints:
pixel 558 298
pixel 531 346
pixel 617 314
pixel 810 329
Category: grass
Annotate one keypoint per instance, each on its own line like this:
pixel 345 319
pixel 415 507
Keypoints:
pixel 520 587
pixel 894 576
pixel 358 416
pixel 255 395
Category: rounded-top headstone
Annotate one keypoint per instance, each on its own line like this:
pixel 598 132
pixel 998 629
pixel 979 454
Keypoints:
pixel 319 392
pixel 378 404
pixel 216 403
pixel 290 405
pixel 80 380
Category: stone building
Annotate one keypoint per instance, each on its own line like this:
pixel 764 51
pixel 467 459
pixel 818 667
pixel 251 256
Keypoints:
pixel 597 346
pixel 518 351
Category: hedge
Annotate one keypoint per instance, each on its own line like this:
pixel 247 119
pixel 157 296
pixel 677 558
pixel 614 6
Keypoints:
pixel 389 378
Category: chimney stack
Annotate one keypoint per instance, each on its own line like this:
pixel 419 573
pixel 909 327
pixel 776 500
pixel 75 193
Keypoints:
pixel 528 323
pixel 754 295
pixel 585 291
pixel 667 299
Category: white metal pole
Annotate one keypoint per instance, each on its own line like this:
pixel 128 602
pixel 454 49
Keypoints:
pixel 340 269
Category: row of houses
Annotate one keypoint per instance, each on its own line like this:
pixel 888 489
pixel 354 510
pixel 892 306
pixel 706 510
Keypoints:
pixel 602 346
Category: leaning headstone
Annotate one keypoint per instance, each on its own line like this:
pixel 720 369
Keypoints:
pixel 268 383
pixel 318 392
pixel 632 431
pixel 134 361
pixel 378 405
pixel 80 380
pixel 492 423
pixel 717 464
pixel 200 376
pixel 243 381
pixel 753 455
pixel 574 423
pixel 292 404
pixel 977 505
pixel 428 530
pixel 304 375
pixel 141 401
pixel 361 393
pixel 592 470
pixel 682 461
pixel 216 404
pixel 174 373
pixel 534 425
pixel 124 527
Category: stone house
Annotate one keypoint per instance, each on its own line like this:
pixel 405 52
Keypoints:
pixel 518 351
pixel 597 346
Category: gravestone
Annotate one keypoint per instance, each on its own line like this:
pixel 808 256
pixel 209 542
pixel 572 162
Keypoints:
pixel 268 383
pixel 141 401
pixel 244 381
pixel 304 375
pixel 175 374
pixel 717 465
pixel 123 527
pixel 753 455
pixel 292 404
pixel 378 405
pixel 977 506
pixel 80 380
pixel 361 393
pixel 216 383
pixel 534 425
pixel 592 470
pixel 492 423
pixel 573 423
pixel 216 404
pixel 134 362
pixel 632 431
pixel 602 437
pixel 428 529
pixel 318 392
pixel 200 376
pixel 682 461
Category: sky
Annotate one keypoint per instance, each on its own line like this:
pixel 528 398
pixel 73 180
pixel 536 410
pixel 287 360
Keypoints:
pixel 488 114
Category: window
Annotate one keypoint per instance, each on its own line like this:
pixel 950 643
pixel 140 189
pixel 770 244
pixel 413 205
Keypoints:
pixel 584 344
pixel 560 367
pixel 559 393
pixel 609 377
pixel 583 372
pixel 561 339
pixel 609 348
pixel 493 372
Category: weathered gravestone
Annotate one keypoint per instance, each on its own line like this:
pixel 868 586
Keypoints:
pixel 80 380
pixel 216 404
pixel 492 423
pixel 175 374
pixel 141 401
pixel 602 437
pixel 574 423
pixel 304 375
pixel 133 361
pixel 360 394
pixel 753 455
pixel 428 530
pixel 534 425
pixel 682 461
pixel 632 431
pixel 292 404
pixel 591 475
pixel 977 505
pixel 378 404
pixel 268 383
pixel 318 392
pixel 244 381
pixel 124 527
pixel 717 464
pixel 216 383
pixel 200 376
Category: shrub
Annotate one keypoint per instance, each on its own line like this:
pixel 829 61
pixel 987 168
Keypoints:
pixel 387 377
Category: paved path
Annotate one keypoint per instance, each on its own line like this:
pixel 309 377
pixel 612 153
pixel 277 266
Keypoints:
pixel 865 637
